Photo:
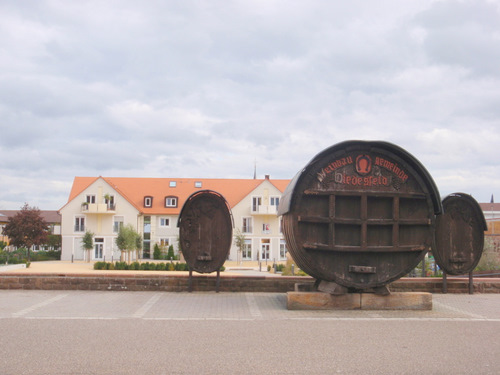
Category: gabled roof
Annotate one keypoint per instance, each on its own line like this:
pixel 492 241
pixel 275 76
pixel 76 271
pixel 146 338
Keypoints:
pixel 134 189
pixel 490 206
pixel 50 217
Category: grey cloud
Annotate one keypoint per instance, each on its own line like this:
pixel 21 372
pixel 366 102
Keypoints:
pixel 464 34
pixel 206 88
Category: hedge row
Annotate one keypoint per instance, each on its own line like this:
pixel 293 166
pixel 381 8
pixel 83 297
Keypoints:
pixel 147 266
pixel 21 256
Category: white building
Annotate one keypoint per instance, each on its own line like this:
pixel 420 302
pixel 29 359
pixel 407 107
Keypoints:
pixel 153 205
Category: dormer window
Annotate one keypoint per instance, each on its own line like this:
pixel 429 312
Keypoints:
pixel 148 201
pixel 172 184
pixel 197 184
pixel 170 201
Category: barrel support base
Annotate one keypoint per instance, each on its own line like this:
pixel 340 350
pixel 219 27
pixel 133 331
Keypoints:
pixel 359 301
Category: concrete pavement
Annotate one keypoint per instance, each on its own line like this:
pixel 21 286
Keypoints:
pixel 74 305
pixel 84 332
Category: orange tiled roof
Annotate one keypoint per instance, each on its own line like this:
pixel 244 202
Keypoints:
pixel 134 189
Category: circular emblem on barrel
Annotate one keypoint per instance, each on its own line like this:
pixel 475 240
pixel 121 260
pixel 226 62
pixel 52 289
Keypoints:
pixel 205 231
pixel 363 164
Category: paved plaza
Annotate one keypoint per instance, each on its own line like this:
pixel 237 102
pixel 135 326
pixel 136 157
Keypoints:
pixel 84 305
pixel 83 332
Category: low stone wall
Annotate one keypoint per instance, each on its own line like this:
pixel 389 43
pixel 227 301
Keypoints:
pixel 204 283
pixel 174 283
pixel 454 285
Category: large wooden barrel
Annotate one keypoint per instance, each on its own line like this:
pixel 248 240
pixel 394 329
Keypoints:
pixel 205 231
pixel 459 234
pixel 361 214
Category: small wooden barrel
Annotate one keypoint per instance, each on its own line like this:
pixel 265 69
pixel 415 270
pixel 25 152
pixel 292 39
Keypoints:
pixel 459 234
pixel 205 231
pixel 360 214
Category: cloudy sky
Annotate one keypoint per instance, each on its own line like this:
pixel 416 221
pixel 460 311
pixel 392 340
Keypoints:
pixel 207 88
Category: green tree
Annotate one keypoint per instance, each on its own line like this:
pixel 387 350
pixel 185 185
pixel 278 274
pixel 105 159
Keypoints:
pixel 88 243
pixel 179 248
pixel 157 252
pixel 489 259
pixel 27 228
pixel 171 254
pixel 54 241
pixel 138 245
pixel 127 241
pixel 239 241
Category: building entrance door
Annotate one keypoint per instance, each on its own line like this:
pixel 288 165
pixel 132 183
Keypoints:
pixel 265 247
pixel 98 248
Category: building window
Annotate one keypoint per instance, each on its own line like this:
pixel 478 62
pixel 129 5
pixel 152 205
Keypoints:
pixel 283 249
pixel 146 244
pixel 164 242
pixel 117 223
pixel 247 250
pixel 247 225
pixel 90 198
pixel 148 201
pixel 197 184
pixel 256 203
pixel 266 228
pixel 109 200
pixel 172 184
pixel 164 222
pixel 79 224
pixel 274 201
pixel 170 201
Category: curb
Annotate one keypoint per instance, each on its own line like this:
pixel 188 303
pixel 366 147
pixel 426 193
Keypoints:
pixel 207 283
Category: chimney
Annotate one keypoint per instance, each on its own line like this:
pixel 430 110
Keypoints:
pixel 267 177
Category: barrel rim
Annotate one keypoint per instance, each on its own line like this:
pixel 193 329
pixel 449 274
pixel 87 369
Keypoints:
pixel 287 197
pixel 205 191
pixel 442 258
pixel 473 202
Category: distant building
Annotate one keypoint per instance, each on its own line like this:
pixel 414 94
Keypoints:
pixel 152 205
pixel 52 218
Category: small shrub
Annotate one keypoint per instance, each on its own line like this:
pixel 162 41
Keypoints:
pixel 121 266
pixel 39 256
pixel 170 253
pixel 157 252
pixel 160 267
pixel 490 260
pixel 147 266
pixel 287 269
pixel 181 267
